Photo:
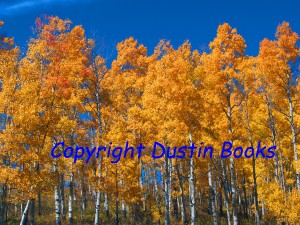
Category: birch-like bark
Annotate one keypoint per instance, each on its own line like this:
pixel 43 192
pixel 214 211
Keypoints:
pixel 71 196
pixel 156 191
pixel 232 167
pixel 22 206
pixel 83 199
pixel 100 133
pixel 75 198
pixel 257 215
pixel 170 186
pixel 200 198
pixel 294 135
pixel 271 121
pixel 123 208
pixel 117 197
pixel 214 184
pixel 57 205
pixel 192 187
pixel 182 197
pixel 57 197
pixel 245 205
pixel 141 184
pixel 16 209
pixel 97 211
pixel 226 189
pixel 233 192
pixel 167 192
pixel 62 196
pixel 98 194
pixel 175 203
pixel 83 196
pixel 24 218
pixel 106 207
pixel 212 195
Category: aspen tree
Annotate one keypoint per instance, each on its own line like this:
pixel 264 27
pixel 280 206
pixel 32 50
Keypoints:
pixel 220 67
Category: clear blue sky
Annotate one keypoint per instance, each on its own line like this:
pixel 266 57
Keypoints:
pixel 111 21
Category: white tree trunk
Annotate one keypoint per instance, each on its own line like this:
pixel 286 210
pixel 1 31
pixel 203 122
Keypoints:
pixel 182 197
pixel 100 132
pixel 233 192
pixel 123 208
pixel 97 212
pixel 192 188
pixel 294 137
pixel 57 205
pixel 225 187
pixel 212 195
pixel 106 207
pixel 83 196
pixel 170 186
pixel 167 192
pixel 141 184
pixel 257 216
pixel 98 195
pixel 232 168
pixel 71 196
pixel 16 209
pixel 21 208
pixel 62 196
pixel 25 214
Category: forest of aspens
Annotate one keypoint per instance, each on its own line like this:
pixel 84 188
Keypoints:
pixel 60 88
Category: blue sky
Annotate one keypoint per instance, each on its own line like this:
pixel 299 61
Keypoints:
pixel 111 21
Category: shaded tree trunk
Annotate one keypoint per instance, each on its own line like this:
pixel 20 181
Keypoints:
pixel 32 213
pixel 175 208
pixel 182 197
pixel 117 198
pixel 39 204
pixel 3 205
pixel 62 196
